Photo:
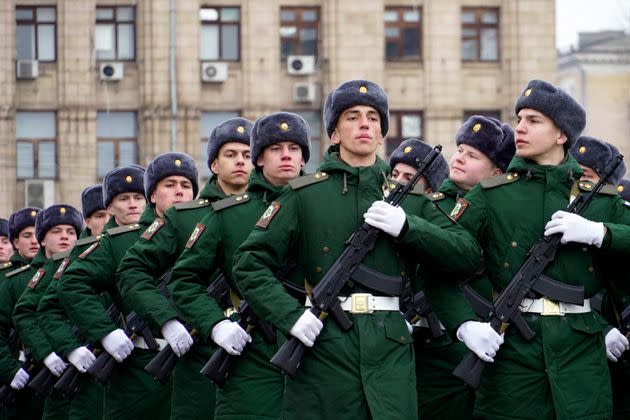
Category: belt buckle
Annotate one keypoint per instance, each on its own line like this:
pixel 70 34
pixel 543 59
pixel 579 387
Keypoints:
pixel 551 308
pixel 361 303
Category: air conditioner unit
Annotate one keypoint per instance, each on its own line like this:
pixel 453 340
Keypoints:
pixel 304 92
pixel 39 193
pixel 111 71
pixel 27 69
pixel 301 65
pixel 214 72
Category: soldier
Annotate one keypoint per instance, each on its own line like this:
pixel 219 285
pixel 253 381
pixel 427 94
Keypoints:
pixel 280 147
pixel 6 250
pixel 403 169
pixel 94 214
pixel 155 254
pixel 367 372
pixel 560 372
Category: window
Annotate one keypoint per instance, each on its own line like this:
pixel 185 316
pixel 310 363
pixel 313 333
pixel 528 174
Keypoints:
pixel 220 33
pixel 480 34
pixel 494 113
pixel 402 125
pixel 116 139
pixel 299 27
pixel 314 120
pixel 36 134
pixel 209 120
pixel 115 34
pixel 35 33
pixel 403 33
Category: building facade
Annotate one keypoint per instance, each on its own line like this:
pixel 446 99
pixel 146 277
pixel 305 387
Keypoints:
pixel 89 85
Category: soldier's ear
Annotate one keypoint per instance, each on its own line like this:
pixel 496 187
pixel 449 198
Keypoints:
pixel 496 171
pixel 562 138
pixel 334 139
pixel 214 166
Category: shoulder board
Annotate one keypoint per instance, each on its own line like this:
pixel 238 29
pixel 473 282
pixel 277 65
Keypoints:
pixel 417 189
pixel 609 189
pixel 230 201
pixel 6 265
pixel 61 255
pixel 194 204
pixel 18 271
pixel 62 267
pixel 36 278
pixel 87 240
pixel 122 229
pixel 436 196
pixel 306 180
pixel 495 181
pixel 154 227
pixel 88 250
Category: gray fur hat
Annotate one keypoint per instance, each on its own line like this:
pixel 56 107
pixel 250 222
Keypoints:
pixel 279 127
pixel 620 172
pixel 57 214
pixel 597 155
pixel 169 164
pixel 236 130
pixel 491 137
pixel 92 200
pixel 122 179
pixel 352 93
pixel 4 227
pixel 21 219
pixel 411 152
pixel 556 104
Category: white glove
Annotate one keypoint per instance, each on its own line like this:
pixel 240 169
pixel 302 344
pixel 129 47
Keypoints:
pixel 117 344
pixel 409 326
pixel 55 364
pixel 616 344
pixel 575 228
pixel 388 218
pixel 480 338
pixel 177 336
pixel 20 379
pixel 230 336
pixel 307 328
pixel 82 358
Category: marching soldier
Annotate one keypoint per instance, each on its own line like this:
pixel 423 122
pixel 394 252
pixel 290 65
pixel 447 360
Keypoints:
pixel 367 372
pixel 94 214
pixel 280 147
pixel 560 372
pixel 403 169
pixel 6 249
pixel 155 253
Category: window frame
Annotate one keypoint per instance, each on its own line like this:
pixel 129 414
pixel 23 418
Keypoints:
pixel 36 142
pixel 115 23
pixel 300 24
pixel 219 23
pixel 395 120
pixel 35 23
pixel 116 141
pixel 478 26
pixel 400 24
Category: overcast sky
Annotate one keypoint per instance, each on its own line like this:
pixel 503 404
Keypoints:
pixel 573 16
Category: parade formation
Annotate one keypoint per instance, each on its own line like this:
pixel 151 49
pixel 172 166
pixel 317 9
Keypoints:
pixel 488 287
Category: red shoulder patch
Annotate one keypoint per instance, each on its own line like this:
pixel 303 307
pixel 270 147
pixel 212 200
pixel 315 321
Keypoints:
pixel 62 267
pixel 88 250
pixel 36 278
pixel 196 233
pixel 460 208
pixel 268 215
pixel 154 227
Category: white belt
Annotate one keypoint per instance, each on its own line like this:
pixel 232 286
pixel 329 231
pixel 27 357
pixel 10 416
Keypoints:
pixel 424 323
pixel 140 343
pixel 548 307
pixel 365 303
pixel 22 356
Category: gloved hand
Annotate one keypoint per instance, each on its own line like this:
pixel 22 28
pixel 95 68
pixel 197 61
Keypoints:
pixel 117 344
pixel 20 379
pixel 55 364
pixel 82 358
pixel 388 218
pixel 177 336
pixel 575 228
pixel 230 336
pixel 616 344
pixel 480 338
pixel 307 328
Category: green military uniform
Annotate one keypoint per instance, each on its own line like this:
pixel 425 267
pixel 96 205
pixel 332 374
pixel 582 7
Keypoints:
pixel 561 372
pixel 146 261
pixel 131 393
pixel 254 388
pixel 369 370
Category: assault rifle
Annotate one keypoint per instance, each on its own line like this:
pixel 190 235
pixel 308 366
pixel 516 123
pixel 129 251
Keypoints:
pixel 528 279
pixel 344 272
pixel 421 308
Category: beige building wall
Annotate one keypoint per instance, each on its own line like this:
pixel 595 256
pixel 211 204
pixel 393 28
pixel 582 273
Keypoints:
pixel 351 45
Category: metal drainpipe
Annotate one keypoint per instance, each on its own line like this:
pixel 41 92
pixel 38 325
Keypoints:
pixel 173 73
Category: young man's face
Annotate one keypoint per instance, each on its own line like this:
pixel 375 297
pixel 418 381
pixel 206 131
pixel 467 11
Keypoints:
pixel 232 166
pixel 537 136
pixel 402 173
pixel 26 243
pixel 171 190
pixel 358 132
pixel 96 222
pixel 469 166
pixel 58 239
pixel 281 162
pixel 589 174
pixel 6 249
pixel 126 208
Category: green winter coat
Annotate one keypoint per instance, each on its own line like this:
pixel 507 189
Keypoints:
pixel 369 370
pixel 561 373
pixel 254 388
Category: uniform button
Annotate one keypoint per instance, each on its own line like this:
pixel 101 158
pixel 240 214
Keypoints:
pixel 402 273
pixel 514 244
pixel 506 265
pixel 591 269
pixel 402 338
pixel 325 249
pixel 318 269
pixel 584 249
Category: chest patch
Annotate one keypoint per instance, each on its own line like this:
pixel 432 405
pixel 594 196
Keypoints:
pixel 36 278
pixel 195 235
pixel 268 215
pixel 62 268
pixel 88 251
pixel 459 209
pixel 155 226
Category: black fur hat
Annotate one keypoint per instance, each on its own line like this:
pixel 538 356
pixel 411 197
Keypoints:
pixel 491 137
pixel 236 130
pixel 57 214
pixel 279 127
pixel 411 152
pixel 21 219
pixel 597 155
pixel 4 227
pixel 169 164
pixel 92 200
pixel 121 180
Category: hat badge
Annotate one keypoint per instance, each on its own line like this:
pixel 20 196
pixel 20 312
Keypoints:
pixel 178 163
pixel 284 126
pixel 476 128
pixel 363 89
pixel 33 213
pixel 240 129
pixel 407 149
pixel 582 149
pixel 620 188
pixel 62 210
pixel 528 92
pixel 128 179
